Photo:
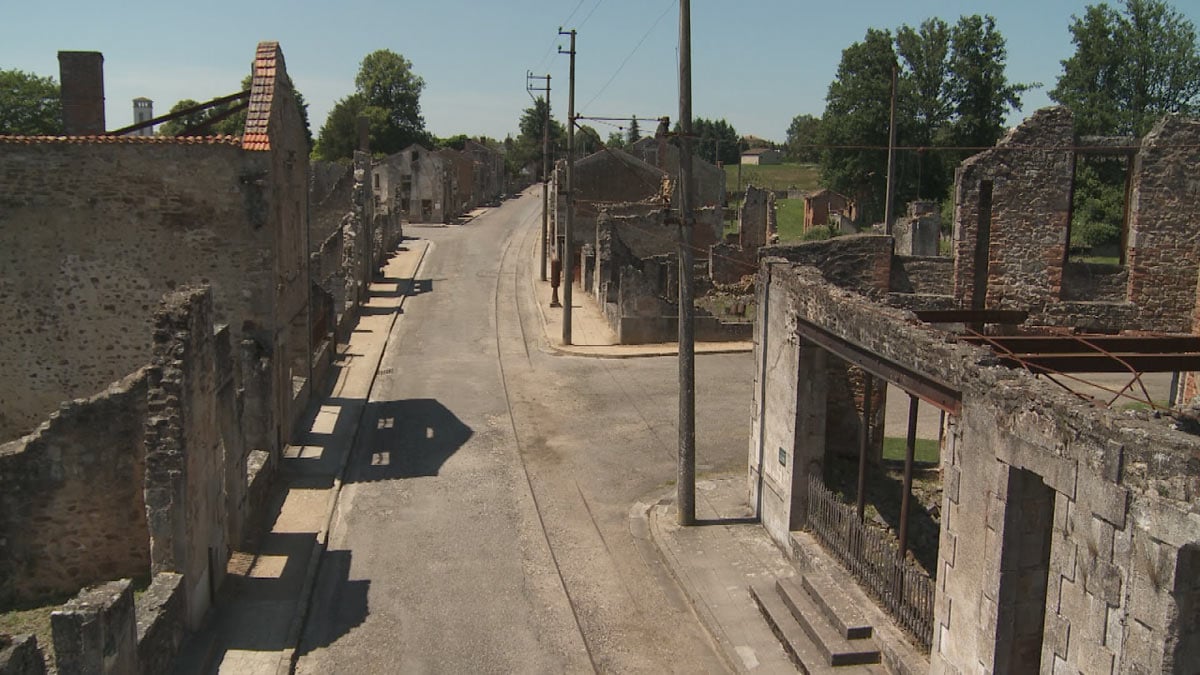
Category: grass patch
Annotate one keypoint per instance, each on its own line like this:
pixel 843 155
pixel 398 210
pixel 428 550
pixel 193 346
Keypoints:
pixel 789 215
pixel 1098 259
pixel 926 450
pixel 35 620
pixel 773 176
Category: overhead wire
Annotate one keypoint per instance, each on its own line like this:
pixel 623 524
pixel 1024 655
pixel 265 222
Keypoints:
pixel 670 4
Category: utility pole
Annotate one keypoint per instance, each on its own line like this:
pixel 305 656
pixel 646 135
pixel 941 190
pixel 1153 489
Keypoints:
pixel 686 483
pixel 889 215
pixel 568 263
pixel 545 160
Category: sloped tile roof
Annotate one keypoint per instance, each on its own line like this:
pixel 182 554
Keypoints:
pixel 122 140
pixel 262 92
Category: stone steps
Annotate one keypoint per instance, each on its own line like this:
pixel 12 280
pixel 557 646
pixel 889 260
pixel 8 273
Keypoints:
pixel 819 628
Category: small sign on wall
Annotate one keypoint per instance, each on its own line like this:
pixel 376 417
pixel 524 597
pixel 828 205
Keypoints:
pixel 782 457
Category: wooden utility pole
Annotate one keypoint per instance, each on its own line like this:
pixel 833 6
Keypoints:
pixel 889 215
pixel 545 163
pixel 686 483
pixel 568 262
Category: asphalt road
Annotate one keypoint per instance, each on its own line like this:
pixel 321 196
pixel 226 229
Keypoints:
pixel 491 516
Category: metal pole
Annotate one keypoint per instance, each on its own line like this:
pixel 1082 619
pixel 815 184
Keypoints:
pixel 686 484
pixel 910 448
pixel 568 262
pixel 889 216
pixel 864 444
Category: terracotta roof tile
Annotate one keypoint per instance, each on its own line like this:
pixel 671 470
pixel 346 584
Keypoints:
pixel 256 142
pixel 121 140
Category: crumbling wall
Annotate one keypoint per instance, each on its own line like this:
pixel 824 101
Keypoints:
pixel 329 197
pixel 186 454
pixel 922 275
pixel 752 217
pixel 918 234
pixel 1052 509
pixel 161 620
pixel 96 631
pixel 1012 210
pixel 71 506
pixel 92 235
pixel 1163 240
pixel 21 655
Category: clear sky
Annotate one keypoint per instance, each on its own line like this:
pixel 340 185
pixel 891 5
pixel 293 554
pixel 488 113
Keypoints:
pixel 756 63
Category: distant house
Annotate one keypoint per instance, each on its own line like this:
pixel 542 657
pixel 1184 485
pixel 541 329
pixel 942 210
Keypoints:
pixel 761 156
pixel 825 206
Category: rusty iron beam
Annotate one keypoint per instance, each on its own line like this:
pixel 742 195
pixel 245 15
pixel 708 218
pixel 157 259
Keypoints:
pixel 936 393
pixel 1078 344
pixel 1002 316
pixel 181 113
pixel 1116 362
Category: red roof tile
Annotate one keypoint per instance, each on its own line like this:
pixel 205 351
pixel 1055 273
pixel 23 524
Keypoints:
pixel 123 140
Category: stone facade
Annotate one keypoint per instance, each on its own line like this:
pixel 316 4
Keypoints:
pixel 1068 534
pixel 419 184
pixel 71 506
pixel 95 229
pixel 825 207
pixel 918 234
pixel 96 632
pixel 1012 229
pixel 708 185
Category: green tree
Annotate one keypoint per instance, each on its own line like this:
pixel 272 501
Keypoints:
pixel 388 94
pixel 1130 67
pixel 615 140
pixel 979 90
pixel 802 136
pixel 714 140
pixel 633 134
pixel 233 125
pixel 30 105
pixel 587 141
pixel 924 109
pixel 527 147
pixel 857 114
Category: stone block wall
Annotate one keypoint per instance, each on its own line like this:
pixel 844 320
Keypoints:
pixel 1163 240
pixel 922 275
pixel 753 217
pixel 92 235
pixel 71 505
pixel 20 655
pixel 96 632
pixel 161 619
pixel 186 456
pixel 1055 514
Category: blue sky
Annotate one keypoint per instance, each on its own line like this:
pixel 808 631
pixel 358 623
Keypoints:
pixel 756 63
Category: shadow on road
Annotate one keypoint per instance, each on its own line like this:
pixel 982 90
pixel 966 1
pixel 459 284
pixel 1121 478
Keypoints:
pixel 340 605
pixel 405 439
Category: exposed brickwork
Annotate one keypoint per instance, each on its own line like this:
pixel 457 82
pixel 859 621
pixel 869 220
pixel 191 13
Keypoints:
pixel 71 507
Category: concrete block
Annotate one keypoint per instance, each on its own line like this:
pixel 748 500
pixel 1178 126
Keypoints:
pixel 1105 499
pixel 951 478
pixel 1056 633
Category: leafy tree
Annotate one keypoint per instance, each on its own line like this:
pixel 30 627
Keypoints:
pixel 615 140
pixel 802 134
pixel 714 140
pixel 924 108
pixel 1130 67
pixel 633 134
pixel 388 94
pixel 587 141
pixel 232 125
pixel 978 88
pixel 30 105
pixel 527 147
pixel 857 114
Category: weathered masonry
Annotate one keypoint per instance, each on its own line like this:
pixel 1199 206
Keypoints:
pixel 1068 539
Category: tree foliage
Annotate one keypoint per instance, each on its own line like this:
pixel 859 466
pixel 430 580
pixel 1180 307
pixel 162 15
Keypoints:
pixel 633 133
pixel 951 90
pixel 30 105
pixel 714 140
pixel 1131 66
pixel 387 93
pixel 802 134
pixel 234 124
pixel 527 147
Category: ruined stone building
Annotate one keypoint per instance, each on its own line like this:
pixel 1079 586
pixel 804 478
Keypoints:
pixel 420 184
pixel 463 173
pixel 708 183
pixel 825 207
pixel 165 326
pixel 490 173
pixel 1068 538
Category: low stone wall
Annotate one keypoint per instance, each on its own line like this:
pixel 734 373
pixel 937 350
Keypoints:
pixel 160 623
pixel 922 275
pixel 71 505
pixel 96 631
pixel 20 655
pixel 729 263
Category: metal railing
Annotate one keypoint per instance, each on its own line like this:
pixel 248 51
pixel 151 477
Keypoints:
pixel 903 589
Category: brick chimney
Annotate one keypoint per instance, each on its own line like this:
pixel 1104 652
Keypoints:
pixel 82 77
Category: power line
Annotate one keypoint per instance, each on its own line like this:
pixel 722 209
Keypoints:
pixel 589 15
pixel 628 56
pixel 554 42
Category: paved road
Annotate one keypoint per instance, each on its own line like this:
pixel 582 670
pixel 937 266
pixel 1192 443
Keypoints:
pixel 490 516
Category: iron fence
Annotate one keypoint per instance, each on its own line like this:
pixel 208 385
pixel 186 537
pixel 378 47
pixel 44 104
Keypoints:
pixel 903 589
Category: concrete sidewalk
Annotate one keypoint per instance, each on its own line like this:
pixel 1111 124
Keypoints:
pixel 715 562
pixel 256 624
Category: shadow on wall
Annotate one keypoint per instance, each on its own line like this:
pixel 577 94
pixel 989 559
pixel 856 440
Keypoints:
pixel 406 439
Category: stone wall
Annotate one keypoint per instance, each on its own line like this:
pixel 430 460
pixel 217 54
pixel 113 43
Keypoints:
pixel 161 623
pixel 186 457
pixel 1054 514
pixel 71 506
pixel 96 632
pixel 1163 241
pixel 922 275
pixel 20 655
pixel 861 263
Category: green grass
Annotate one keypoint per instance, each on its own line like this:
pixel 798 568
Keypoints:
pixel 789 215
pixel 1098 259
pixel 36 621
pixel 926 450
pixel 773 176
